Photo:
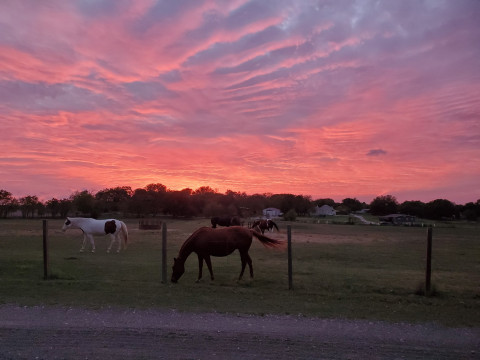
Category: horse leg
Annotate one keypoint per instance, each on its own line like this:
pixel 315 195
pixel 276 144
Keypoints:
pixel 250 266
pixel 119 239
pixel 244 263
pixel 200 267
pixel 112 240
pixel 209 265
pixel 92 242
pixel 84 242
pixel 245 260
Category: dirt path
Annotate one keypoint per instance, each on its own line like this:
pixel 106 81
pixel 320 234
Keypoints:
pixel 75 333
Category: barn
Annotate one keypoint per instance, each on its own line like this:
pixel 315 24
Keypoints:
pixel 272 212
pixel 324 210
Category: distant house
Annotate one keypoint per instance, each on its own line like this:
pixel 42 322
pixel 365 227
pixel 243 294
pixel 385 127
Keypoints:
pixel 397 219
pixel 272 212
pixel 323 210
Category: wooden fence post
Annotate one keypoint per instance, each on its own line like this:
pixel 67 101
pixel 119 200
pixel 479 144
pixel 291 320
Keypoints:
pixel 45 250
pixel 164 252
pixel 428 272
pixel 289 234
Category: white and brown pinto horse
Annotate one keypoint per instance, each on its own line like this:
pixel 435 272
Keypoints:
pixel 113 227
pixel 263 225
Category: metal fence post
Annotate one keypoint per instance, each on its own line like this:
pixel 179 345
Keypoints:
pixel 428 272
pixel 45 250
pixel 290 280
pixel 164 252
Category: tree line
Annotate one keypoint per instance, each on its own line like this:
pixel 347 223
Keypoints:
pixel 156 199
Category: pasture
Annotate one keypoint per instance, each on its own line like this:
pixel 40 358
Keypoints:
pixel 339 271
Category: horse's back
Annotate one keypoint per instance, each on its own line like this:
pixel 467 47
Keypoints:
pixel 222 241
pixel 103 227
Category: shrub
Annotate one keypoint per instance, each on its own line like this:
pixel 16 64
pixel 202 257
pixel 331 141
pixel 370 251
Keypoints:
pixel 291 215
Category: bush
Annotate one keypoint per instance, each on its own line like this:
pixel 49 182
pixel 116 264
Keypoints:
pixel 291 215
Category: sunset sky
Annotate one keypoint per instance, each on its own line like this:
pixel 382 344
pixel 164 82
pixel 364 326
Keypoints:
pixel 324 98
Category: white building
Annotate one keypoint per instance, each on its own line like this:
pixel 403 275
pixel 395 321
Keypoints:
pixel 323 210
pixel 272 212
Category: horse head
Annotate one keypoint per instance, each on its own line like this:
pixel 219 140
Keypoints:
pixel 66 225
pixel 178 269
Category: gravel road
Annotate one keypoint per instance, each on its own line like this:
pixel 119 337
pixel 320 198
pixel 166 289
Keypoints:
pixel 111 333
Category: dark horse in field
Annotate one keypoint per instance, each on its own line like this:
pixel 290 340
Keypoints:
pixel 225 221
pixel 206 242
pixel 265 225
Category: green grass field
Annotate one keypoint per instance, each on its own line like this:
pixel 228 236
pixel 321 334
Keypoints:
pixel 341 271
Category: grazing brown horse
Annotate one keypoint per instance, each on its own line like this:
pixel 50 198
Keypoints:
pixel 265 225
pixel 225 221
pixel 206 242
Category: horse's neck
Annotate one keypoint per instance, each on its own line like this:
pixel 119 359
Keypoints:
pixel 187 247
pixel 185 251
pixel 79 223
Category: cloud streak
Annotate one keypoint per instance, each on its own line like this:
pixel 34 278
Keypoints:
pixel 329 99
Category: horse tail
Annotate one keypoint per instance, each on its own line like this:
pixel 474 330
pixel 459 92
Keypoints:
pixel 125 233
pixel 266 241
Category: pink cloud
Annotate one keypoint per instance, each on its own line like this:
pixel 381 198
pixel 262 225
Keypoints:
pixel 335 100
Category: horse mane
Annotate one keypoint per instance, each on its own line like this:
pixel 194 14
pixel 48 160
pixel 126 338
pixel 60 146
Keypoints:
pixel 77 221
pixel 190 239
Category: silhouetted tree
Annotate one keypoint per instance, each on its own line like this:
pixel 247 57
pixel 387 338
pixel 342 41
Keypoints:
pixel 84 203
pixel 213 209
pixel 285 202
pixel 256 203
pixel 7 203
pixel 352 205
pixel 28 205
pixel 113 199
pixel 471 211
pixel 158 188
pixel 202 197
pixel 290 215
pixel 41 209
pixel 156 199
pixel 326 201
pixel 178 203
pixel 384 205
pixel 414 208
pixel 157 194
pixel 65 207
pixel 139 202
pixel 53 206
pixel 440 209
